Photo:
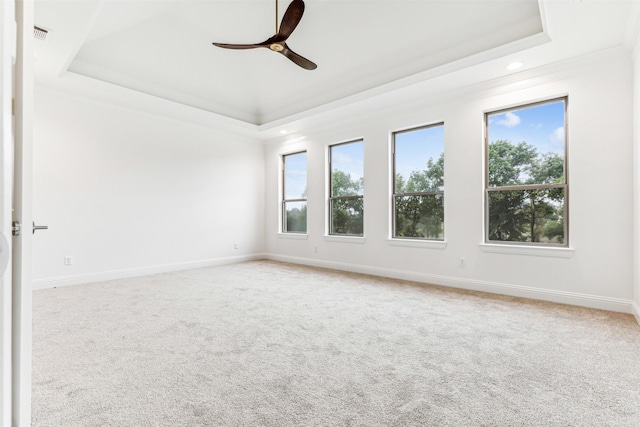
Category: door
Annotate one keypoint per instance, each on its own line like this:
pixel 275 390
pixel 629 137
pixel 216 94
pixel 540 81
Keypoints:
pixel 22 195
pixel 16 123
pixel 7 58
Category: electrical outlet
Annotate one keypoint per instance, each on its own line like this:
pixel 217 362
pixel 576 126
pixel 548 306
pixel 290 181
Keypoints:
pixel 68 260
pixel 462 262
pixel 235 246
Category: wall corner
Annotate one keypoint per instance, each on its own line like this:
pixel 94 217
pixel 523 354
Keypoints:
pixel 634 40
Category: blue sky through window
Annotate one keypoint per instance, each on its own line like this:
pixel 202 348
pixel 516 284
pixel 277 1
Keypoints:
pixel 349 158
pixel 414 149
pixel 295 176
pixel 541 126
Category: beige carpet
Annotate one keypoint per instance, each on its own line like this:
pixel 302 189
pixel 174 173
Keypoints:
pixel 271 344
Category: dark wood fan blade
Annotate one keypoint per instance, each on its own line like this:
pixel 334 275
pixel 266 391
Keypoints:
pixel 299 60
pixel 237 46
pixel 290 20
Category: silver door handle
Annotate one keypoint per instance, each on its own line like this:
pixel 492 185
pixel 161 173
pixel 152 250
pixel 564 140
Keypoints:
pixel 16 228
pixel 39 227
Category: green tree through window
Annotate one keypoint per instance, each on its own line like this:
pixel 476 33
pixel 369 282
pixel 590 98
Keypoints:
pixel 526 180
pixel 346 201
pixel 418 197
pixel 294 193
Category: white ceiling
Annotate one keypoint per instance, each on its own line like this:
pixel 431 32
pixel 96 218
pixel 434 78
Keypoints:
pixel 362 47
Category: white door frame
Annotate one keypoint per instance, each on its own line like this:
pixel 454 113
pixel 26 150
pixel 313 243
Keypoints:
pixel 7 57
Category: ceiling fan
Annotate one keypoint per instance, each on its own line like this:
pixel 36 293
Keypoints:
pixel 278 43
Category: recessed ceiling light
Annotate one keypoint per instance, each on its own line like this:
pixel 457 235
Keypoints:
pixel 514 65
pixel 284 131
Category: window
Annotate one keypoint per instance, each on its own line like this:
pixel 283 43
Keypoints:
pixel 346 183
pixel 294 193
pixel 418 183
pixel 526 174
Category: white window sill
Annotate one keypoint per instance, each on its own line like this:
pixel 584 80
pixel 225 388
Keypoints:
pixel 293 236
pixel 415 243
pixel 543 251
pixel 345 239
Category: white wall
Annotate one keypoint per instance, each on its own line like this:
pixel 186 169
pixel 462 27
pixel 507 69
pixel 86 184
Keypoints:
pixel 597 271
pixel 128 193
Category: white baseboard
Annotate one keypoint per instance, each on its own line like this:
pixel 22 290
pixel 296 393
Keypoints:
pixel 79 279
pixel 571 298
pixel 636 311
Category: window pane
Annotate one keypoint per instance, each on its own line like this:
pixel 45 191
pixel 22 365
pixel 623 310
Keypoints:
pixel 346 216
pixel 420 216
pixel 419 160
pixel 295 217
pixel 347 170
pixel 295 176
pixel 527 215
pixel 527 145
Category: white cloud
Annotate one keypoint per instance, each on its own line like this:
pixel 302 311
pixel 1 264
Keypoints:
pixel 557 136
pixel 510 120
pixel 339 157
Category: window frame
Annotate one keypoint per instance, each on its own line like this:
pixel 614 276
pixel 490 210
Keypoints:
pixel 395 195
pixel 284 200
pixel 564 186
pixel 330 232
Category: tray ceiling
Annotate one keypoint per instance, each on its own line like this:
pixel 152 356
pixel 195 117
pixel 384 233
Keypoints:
pixel 163 48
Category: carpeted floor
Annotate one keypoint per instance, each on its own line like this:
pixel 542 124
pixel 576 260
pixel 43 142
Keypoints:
pixel 271 344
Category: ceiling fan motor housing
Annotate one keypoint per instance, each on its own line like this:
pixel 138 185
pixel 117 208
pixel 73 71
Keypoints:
pixel 276 47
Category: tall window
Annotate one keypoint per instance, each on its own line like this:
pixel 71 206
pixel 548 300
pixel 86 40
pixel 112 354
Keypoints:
pixel 418 183
pixel 346 188
pixel 294 193
pixel 526 174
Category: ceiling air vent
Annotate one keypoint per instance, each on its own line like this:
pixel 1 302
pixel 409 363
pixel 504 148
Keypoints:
pixel 40 33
